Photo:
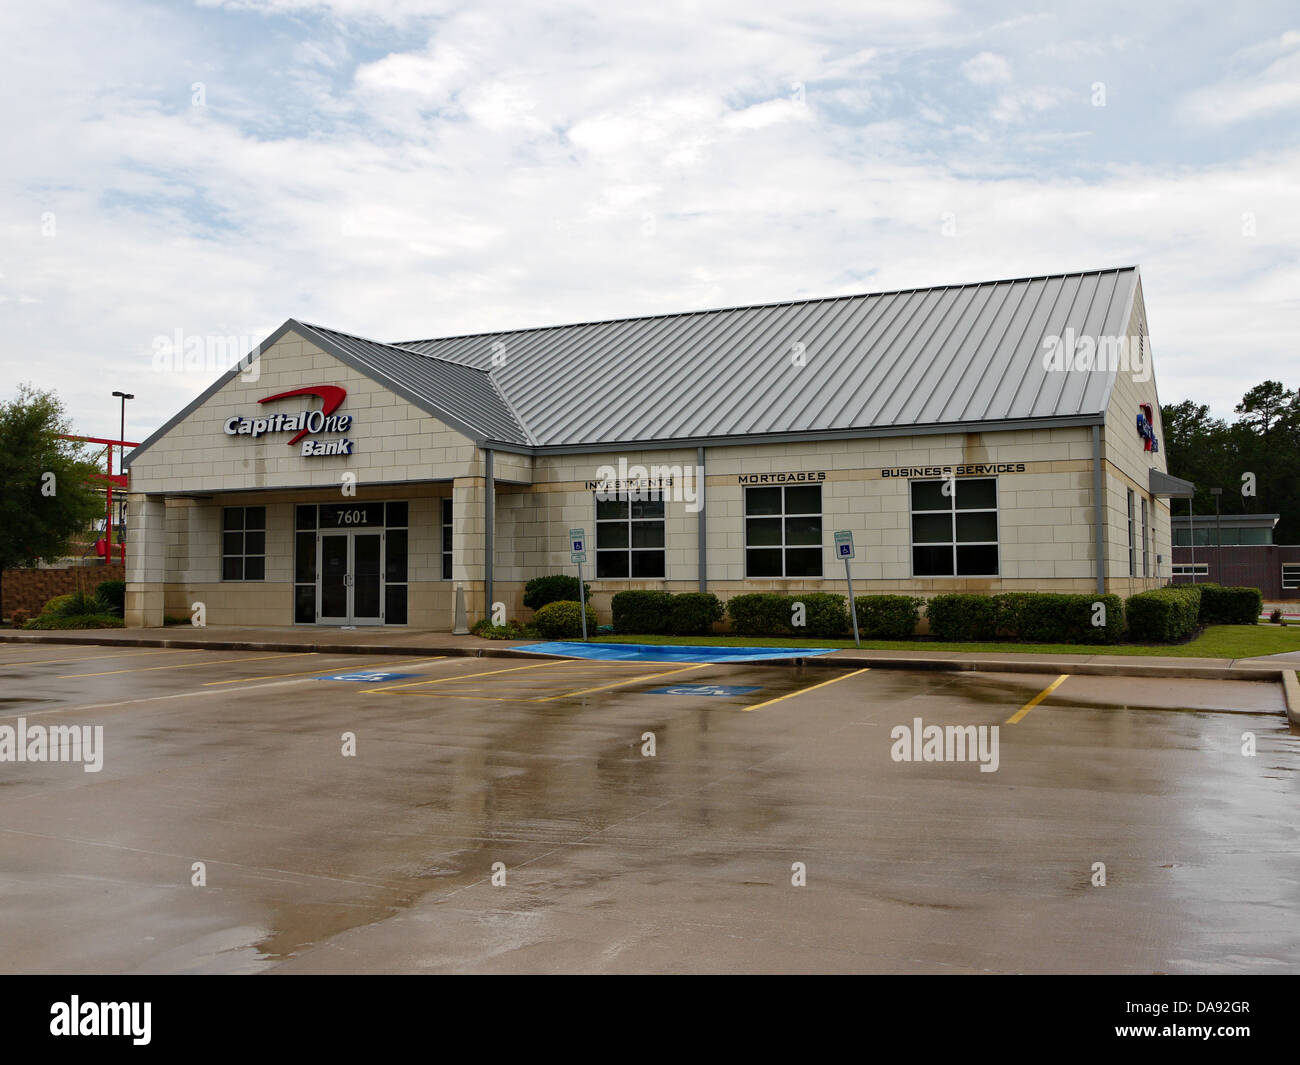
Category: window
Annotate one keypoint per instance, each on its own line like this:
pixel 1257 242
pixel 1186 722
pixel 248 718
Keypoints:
pixel 304 565
pixel 310 520
pixel 1132 543
pixel 1191 569
pixel 955 534
pixel 629 537
pixel 1291 574
pixel 446 538
pixel 783 531
pixel 395 548
pixel 243 544
pixel 1146 561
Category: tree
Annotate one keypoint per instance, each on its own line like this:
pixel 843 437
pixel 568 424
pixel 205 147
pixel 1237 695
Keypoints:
pixel 1264 443
pixel 1266 407
pixel 47 490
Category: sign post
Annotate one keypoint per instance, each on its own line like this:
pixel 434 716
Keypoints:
pixel 578 555
pixel 844 550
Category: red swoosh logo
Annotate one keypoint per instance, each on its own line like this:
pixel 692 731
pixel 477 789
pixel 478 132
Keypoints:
pixel 331 397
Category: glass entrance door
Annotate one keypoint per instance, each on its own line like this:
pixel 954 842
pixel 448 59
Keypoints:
pixel 351 578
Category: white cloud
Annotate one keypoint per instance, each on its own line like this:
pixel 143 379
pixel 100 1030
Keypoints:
pixel 565 164
pixel 987 68
pixel 1256 95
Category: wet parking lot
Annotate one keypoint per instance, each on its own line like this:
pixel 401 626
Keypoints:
pixel 500 815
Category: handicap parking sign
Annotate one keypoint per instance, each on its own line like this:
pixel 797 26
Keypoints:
pixel 704 689
pixel 372 678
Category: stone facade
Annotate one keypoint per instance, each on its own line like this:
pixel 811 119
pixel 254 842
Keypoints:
pixel 181 484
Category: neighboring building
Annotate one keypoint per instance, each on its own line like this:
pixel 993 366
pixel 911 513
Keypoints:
pixel 939 425
pixel 1247 555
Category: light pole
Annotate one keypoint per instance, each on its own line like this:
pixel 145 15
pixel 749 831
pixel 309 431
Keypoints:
pixel 1218 537
pixel 121 438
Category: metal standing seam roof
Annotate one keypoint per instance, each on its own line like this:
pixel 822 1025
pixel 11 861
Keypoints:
pixel 957 354
pixel 459 389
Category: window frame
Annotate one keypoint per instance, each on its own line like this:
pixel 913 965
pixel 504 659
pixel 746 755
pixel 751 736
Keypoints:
pixel 244 554
pixel 1146 528
pixel 1295 566
pixel 783 547
pixel 625 497
pixel 953 511
pixel 447 517
pixel 1132 537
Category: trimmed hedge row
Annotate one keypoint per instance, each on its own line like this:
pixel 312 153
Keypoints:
pixel 1230 606
pixel 663 613
pixel 1164 615
pixel 823 615
pixel 553 588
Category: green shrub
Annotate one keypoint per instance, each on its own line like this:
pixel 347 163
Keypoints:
pixel 1163 615
pixel 692 613
pixel 963 616
pixel 1230 606
pixel 562 620
pixel 555 588
pixel 113 595
pixel 75 621
pixel 644 612
pixel 75 604
pixel 825 615
pixel 1046 617
pixel 888 617
pixel 56 607
pixel 759 614
pixel 484 629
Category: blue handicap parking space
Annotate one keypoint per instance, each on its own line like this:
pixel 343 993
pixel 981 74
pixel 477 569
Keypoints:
pixel 704 689
pixel 370 677
pixel 646 652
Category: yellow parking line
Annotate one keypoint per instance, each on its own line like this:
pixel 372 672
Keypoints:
pixel 91 658
pixel 1014 718
pixel 791 695
pixel 463 677
pixel 324 669
pixel 185 665
pixel 618 684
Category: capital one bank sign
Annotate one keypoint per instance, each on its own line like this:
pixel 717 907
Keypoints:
pixel 302 423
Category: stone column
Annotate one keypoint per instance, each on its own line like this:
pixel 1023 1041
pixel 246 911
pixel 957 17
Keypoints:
pixel 468 532
pixel 146 560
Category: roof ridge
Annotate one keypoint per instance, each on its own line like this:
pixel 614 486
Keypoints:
pixel 393 347
pixel 405 345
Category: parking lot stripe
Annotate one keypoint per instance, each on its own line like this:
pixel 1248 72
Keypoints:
pixel 91 658
pixel 443 680
pixel 344 668
pixel 791 695
pixel 1015 718
pixel 620 683
pixel 185 665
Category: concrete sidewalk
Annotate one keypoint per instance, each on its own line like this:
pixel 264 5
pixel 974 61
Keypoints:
pixel 385 641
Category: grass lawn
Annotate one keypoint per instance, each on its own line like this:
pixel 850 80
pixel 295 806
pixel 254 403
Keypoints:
pixel 1216 641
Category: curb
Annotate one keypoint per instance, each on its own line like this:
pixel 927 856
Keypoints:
pixel 1291 693
pixel 840 659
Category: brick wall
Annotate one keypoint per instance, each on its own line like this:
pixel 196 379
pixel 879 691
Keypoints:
pixel 31 589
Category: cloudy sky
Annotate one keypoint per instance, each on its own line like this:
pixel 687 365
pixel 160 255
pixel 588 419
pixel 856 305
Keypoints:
pixel 417 169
